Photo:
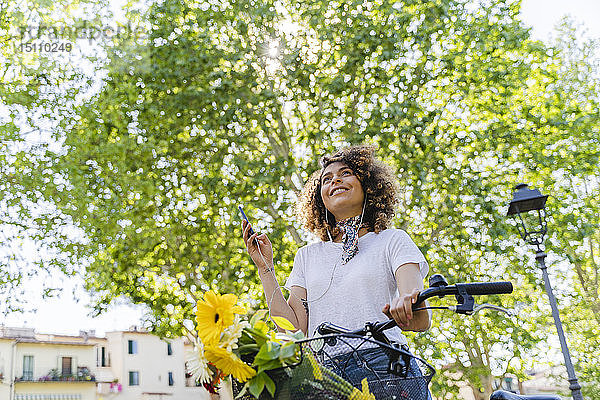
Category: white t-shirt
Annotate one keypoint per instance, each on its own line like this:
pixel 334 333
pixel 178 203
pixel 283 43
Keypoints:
pixel 359 289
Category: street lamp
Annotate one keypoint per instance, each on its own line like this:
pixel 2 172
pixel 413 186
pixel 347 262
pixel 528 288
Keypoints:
pixel 526 200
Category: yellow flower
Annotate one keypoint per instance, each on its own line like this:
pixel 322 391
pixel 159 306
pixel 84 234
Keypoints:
pixel 214 314
pixel 364 395
pixel 229 363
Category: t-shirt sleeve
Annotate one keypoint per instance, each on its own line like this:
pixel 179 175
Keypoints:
pixel 297 276
pixel 402 250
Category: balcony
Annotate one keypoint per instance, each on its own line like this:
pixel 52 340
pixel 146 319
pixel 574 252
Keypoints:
pixel 46 378
pixel 83 375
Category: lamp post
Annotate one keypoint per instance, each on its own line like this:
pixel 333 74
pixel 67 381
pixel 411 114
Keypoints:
pixel 525 200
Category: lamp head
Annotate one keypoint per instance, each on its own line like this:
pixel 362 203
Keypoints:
pixel 525 200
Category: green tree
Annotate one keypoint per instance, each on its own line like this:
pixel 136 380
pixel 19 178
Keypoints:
pixel 231 103
pixel 567 159
pixel 37 89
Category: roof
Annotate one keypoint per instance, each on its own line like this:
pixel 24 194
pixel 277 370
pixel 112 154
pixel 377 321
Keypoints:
pixel 37 341
pixel 38 396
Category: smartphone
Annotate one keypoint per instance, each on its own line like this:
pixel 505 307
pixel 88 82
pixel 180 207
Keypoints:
pixel 246 218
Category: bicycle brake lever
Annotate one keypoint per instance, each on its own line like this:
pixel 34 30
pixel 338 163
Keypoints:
pixel 484 306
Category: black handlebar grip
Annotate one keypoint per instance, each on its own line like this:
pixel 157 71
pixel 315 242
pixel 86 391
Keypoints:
pixel 487 288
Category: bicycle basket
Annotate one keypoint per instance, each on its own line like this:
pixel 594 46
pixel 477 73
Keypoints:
pixel 335 366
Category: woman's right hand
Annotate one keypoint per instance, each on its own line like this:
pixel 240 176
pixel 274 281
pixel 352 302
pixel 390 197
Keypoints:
pixel 252 242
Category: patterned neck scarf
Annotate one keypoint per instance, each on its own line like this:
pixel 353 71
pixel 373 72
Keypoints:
pixel 349 228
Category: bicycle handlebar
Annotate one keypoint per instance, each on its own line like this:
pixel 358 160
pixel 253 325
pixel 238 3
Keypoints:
pixel 474 289
pixel 459 290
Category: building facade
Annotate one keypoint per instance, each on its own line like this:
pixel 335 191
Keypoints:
pixel 45 367
pixel 124 365
pixel 150 368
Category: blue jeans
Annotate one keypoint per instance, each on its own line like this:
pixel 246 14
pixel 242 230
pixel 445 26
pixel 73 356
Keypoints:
pixel 372 364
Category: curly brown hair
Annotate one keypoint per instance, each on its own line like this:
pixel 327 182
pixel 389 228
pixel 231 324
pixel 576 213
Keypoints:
pixel 378 182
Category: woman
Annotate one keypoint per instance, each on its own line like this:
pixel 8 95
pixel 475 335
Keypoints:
pixel 362 269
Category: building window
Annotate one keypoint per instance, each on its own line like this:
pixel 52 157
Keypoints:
pixel 134 378
pixel 28 368
pixel 169 349
pixel 67 366
pixel 103 358
pixel 132 347
pixel 171 381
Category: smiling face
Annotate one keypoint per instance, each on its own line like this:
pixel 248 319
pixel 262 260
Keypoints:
pixel 341 191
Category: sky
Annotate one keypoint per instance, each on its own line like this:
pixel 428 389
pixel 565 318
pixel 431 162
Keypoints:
pixel 543 15
pixel 68 313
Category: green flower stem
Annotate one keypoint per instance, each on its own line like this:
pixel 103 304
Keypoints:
pixel 247 348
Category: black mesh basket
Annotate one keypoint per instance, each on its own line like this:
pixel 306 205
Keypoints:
pixel 334 366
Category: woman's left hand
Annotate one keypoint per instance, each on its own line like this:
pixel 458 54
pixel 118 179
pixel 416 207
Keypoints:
pixel 401 309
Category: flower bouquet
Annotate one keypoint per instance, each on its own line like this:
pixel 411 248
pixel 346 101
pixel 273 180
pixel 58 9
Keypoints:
pixel 229 345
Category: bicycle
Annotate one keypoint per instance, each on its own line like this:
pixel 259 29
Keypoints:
pixel 326 362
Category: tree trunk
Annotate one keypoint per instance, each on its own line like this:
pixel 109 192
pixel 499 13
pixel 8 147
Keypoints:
pixel 487 388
